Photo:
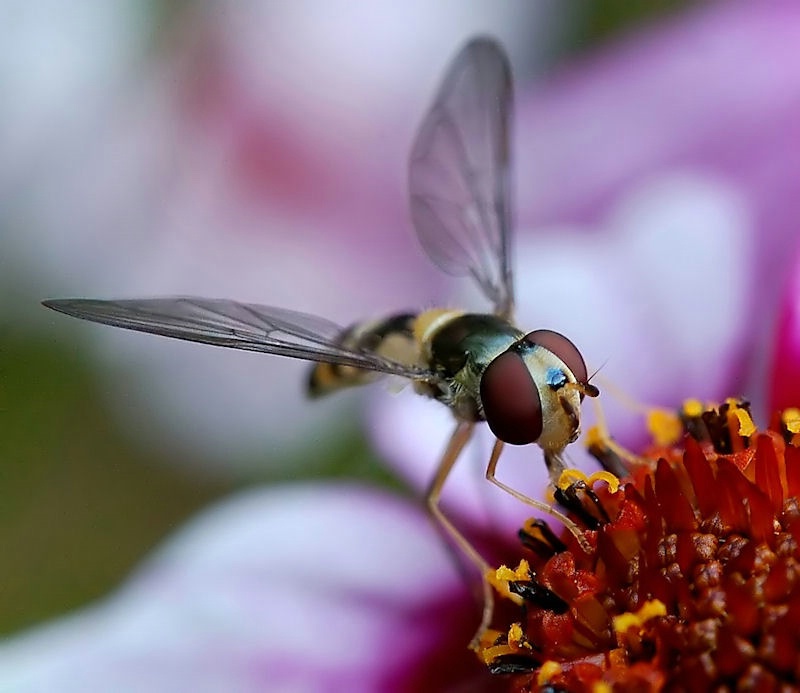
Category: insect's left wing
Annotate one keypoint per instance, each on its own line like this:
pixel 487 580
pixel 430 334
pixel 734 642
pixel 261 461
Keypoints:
pixel 245 326
pixel 459 172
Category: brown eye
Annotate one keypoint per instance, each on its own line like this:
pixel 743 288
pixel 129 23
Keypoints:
pixel 559 345
pixel 510 400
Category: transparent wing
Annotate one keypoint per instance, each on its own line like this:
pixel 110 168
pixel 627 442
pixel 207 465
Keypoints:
pixel 236 325
pixel 459 172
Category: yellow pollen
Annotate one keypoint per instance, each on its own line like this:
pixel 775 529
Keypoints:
pixel 791 419
pixel 491 635
pixel 650 609
pixel 601 687
pixel 521 572
pixel 516 637
pixel 489 654
pixel 693 408
pixel 608 477
pixel 595 437
pixel 665 426
pixel 571 476
pixel 489 650
pixel 495 644
pixel 500 578
pixel 547 672
pixel 746 426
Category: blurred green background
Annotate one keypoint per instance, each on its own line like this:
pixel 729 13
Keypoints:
pixel 80 502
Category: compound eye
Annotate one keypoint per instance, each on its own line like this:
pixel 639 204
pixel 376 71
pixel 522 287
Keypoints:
pixel 559 345
pixel 510 400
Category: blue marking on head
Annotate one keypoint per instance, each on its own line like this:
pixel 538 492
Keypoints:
pixel 555 378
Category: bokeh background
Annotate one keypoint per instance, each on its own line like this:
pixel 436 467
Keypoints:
pixel 252 150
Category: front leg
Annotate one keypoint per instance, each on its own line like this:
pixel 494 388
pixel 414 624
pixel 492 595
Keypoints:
pixel 554 460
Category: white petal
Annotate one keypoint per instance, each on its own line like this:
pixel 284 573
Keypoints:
pixel 297 588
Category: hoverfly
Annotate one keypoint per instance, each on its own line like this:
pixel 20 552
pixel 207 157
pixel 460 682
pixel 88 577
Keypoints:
pixel 527 386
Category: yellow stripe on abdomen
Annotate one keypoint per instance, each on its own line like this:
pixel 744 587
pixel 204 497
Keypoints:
pixel 430 322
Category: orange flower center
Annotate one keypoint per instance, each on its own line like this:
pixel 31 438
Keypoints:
pixel 692 580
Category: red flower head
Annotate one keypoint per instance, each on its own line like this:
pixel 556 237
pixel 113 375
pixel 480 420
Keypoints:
pixel 692 579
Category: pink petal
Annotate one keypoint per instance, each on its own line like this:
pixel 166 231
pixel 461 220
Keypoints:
pixel 784 380
pixel 713 91
pixel 294 588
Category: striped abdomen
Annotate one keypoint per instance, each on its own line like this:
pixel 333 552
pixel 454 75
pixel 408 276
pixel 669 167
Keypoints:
pixel 455 346
pixel 392 337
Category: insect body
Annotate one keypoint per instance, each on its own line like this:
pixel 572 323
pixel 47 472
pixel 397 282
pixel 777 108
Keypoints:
pixel 527 386
pixel 392 338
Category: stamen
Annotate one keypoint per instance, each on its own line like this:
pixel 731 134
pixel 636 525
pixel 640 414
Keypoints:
pixel 579 498
pixel 516 637
pixel 521 572
pixel 611 480
pixel 569 477
pixel 513 664
pixel 607 452
pixel 746 426
pixel 547 672
pixel 650 609
pixel 693 408
pixel 790 420
pixel 665 426
pixel 537 536
pixel 502 578
pixel 538 595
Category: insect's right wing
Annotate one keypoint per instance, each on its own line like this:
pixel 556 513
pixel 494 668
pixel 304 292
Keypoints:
pixel 459 172
pixel 245 326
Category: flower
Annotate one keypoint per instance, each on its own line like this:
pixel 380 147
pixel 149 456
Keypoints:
pixel 692 580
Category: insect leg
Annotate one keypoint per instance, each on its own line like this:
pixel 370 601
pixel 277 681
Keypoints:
pixel 539 505
pixel 458 440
